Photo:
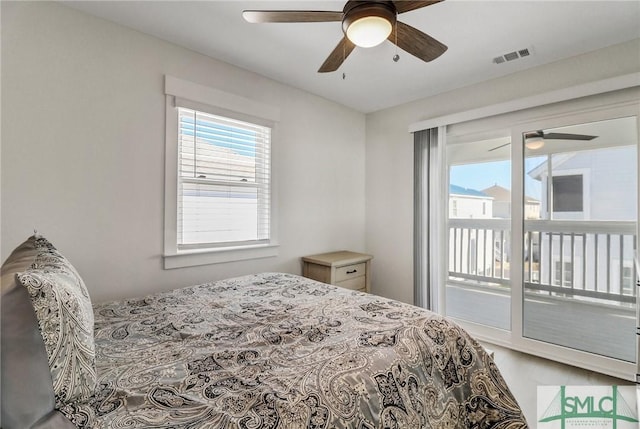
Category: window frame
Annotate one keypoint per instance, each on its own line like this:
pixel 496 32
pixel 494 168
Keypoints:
pixel 210 100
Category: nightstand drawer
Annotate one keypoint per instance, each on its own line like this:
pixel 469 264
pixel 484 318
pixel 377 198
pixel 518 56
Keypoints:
pixel 357 283
pixel 343 268
pixel 350 271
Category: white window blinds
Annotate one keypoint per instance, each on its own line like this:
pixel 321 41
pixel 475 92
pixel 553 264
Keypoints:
pixel 223 181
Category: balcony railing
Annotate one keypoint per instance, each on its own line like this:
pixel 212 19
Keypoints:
pixel 579 259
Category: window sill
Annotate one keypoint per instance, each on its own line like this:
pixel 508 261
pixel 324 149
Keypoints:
pixel 192 258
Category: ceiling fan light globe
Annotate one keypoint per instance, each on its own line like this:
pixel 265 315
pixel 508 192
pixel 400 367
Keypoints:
pixel 369 31
pixel 534 143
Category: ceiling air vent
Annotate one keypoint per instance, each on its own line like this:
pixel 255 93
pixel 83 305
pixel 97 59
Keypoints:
pixel 520 53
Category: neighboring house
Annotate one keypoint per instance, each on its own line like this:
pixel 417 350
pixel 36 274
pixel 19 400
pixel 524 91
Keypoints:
pixel 465 203
pixel 502 203
pixel 582 187
pixel 597 211
pixel 502 209
pixel 470 249
pixel 230 209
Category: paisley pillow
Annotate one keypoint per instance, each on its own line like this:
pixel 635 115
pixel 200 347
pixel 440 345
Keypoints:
pixel 65 317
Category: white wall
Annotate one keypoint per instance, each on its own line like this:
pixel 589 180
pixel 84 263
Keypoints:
pixel 389 165
pixel 83 151
pixel 470 207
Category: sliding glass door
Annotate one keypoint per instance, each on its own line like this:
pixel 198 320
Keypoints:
pixel 580 206
pixel 539 234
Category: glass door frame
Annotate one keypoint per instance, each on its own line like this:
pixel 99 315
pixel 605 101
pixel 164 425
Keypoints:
pixel 514 338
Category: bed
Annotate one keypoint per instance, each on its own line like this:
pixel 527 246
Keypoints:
pixel 276 350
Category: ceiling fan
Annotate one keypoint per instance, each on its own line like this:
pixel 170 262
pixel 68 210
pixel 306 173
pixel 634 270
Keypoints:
pixel 535 140
pixel 365 24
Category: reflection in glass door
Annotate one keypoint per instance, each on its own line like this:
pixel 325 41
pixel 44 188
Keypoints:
pixel 580 205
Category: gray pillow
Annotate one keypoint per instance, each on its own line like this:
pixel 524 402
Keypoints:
pixel 27 393
pixel 65 317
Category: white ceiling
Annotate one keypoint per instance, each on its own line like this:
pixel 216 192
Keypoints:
pixel 474 31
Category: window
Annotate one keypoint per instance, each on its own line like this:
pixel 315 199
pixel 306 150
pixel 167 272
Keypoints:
pixel 567 280
pixel 219 186
pixel 223 181
pixel 627 280
pixel 567 193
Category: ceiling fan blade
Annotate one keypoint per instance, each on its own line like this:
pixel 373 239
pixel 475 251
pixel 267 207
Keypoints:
pixel 564 136
pixel 262 16
pixel 337 56
pixel 406 6
pixel 416 42
pixel 498 147
pixel 532 134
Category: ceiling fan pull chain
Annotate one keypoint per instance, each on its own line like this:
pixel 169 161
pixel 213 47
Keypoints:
pixel 344 57
pixel 396 57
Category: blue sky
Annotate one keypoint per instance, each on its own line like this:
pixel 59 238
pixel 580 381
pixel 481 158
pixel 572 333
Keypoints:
pixel 480 176
pixel 238 139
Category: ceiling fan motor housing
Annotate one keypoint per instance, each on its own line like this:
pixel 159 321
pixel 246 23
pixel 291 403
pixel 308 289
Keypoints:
pixel 355 10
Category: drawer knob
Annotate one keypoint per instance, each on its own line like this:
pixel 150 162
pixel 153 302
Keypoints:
pixel 352 271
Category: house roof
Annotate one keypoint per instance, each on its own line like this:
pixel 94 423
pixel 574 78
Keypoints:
pixel 500 193
pixel 540 170
pixel 459 190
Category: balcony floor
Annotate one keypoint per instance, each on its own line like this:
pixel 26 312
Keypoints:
pixel 608 330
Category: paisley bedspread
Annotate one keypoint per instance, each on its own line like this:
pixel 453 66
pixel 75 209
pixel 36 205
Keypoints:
pixel 281 351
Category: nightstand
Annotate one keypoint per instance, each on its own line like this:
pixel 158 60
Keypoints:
pixel 346 269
